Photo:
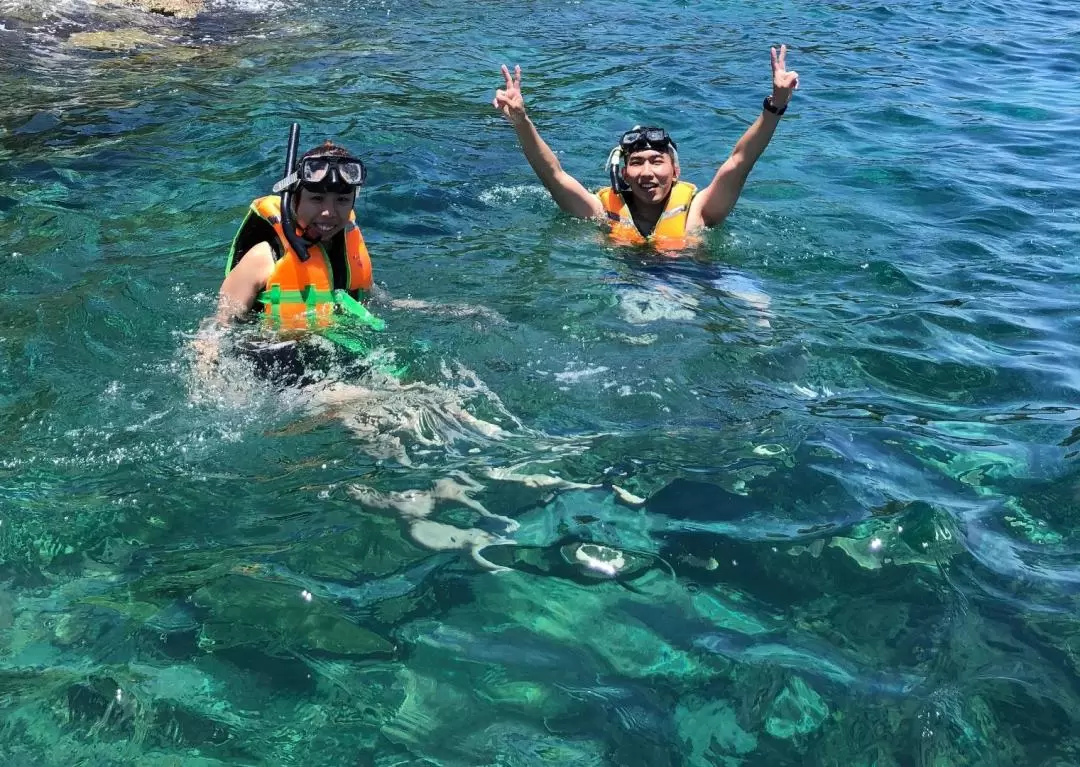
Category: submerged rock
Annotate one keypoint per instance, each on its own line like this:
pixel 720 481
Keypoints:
pixel 519 744
pixel 373 547
pixel 7 610
pixel 279 618
pixel 797 710
pixel 114 40
pixel 181 9
pixel 710 733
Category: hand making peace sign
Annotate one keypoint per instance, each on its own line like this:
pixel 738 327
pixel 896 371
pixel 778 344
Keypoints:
pixel 783 82
pixel 509 99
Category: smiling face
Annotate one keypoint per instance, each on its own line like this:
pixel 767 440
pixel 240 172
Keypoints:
pixel 321 215
pixel 650 174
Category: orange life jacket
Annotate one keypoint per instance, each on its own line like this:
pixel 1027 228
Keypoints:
pixel 670 230
pixel 301 294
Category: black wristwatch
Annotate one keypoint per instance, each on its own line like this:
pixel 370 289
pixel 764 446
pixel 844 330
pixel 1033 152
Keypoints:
pixel 767 105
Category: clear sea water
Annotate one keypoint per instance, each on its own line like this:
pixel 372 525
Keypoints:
pixel 859 537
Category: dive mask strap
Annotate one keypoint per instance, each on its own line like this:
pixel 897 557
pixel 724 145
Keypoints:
pixel 286 183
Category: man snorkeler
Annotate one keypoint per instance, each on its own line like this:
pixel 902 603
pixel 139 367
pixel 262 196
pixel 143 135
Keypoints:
pixel 646 201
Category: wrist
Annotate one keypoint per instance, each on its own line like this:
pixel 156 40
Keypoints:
pixel 772 106
pixel 780 99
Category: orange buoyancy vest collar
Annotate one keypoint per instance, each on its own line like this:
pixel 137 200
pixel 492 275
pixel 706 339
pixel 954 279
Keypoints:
pixel 301 294
pixel 670 231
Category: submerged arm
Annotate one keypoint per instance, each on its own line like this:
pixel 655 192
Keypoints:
pixel 567 191
pixel 235 298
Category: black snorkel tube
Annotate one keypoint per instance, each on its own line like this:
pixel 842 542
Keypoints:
pixel 288 222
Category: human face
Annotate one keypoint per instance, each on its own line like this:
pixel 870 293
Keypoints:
pixel 650 174
pixel 323 214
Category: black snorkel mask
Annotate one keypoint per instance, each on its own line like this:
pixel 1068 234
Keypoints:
pixel 635 140
pixel 319 174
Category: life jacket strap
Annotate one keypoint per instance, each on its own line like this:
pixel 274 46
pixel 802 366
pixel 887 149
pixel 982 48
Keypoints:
pixel 351 306
pixel 673 212
pixel 308 295
pixel 311 297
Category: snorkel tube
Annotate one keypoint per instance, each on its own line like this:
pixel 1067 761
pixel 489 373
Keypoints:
pixel 288 221
pixel 614 165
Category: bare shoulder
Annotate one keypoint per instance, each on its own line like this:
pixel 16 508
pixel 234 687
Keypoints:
pixel 251 272
pixel 243 283
pixel 257 261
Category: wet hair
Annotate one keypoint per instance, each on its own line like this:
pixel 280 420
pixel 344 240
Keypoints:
pixel 327 149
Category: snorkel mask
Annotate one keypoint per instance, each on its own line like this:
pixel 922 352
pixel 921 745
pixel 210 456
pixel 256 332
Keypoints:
pixel 316 174
pixel 635 140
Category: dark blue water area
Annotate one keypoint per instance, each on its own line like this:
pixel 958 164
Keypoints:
pixel 806 494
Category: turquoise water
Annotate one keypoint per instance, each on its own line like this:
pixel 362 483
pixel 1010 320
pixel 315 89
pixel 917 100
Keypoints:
pixel 859 534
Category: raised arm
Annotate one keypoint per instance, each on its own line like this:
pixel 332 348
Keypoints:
pixel 566 190
pixel 713 204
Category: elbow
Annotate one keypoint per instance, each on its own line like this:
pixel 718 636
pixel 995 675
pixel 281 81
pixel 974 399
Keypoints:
pixel 739 164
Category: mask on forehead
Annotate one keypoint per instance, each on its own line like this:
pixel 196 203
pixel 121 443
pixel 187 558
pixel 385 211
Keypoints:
pixel 635 140
pixel 638 138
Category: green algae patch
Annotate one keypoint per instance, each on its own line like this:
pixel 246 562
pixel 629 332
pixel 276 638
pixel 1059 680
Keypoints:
pixel 374 547
pixel 1034 530
pixel 134 610
pixel 721 614
pixel 525 697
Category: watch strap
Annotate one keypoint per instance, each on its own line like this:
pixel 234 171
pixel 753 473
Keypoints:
pixel 768 106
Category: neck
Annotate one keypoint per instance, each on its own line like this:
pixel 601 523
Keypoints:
pixel 646 214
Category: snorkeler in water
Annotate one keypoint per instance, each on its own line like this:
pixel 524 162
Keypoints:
pixel 647 202
pixel 299 255
pixel 299 259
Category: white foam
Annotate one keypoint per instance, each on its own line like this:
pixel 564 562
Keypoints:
pixel 806 392
pixel 440 309
pixel 645 339
pixel 503 195
pixel 248 6
pixel 640 307
pixel 574 376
